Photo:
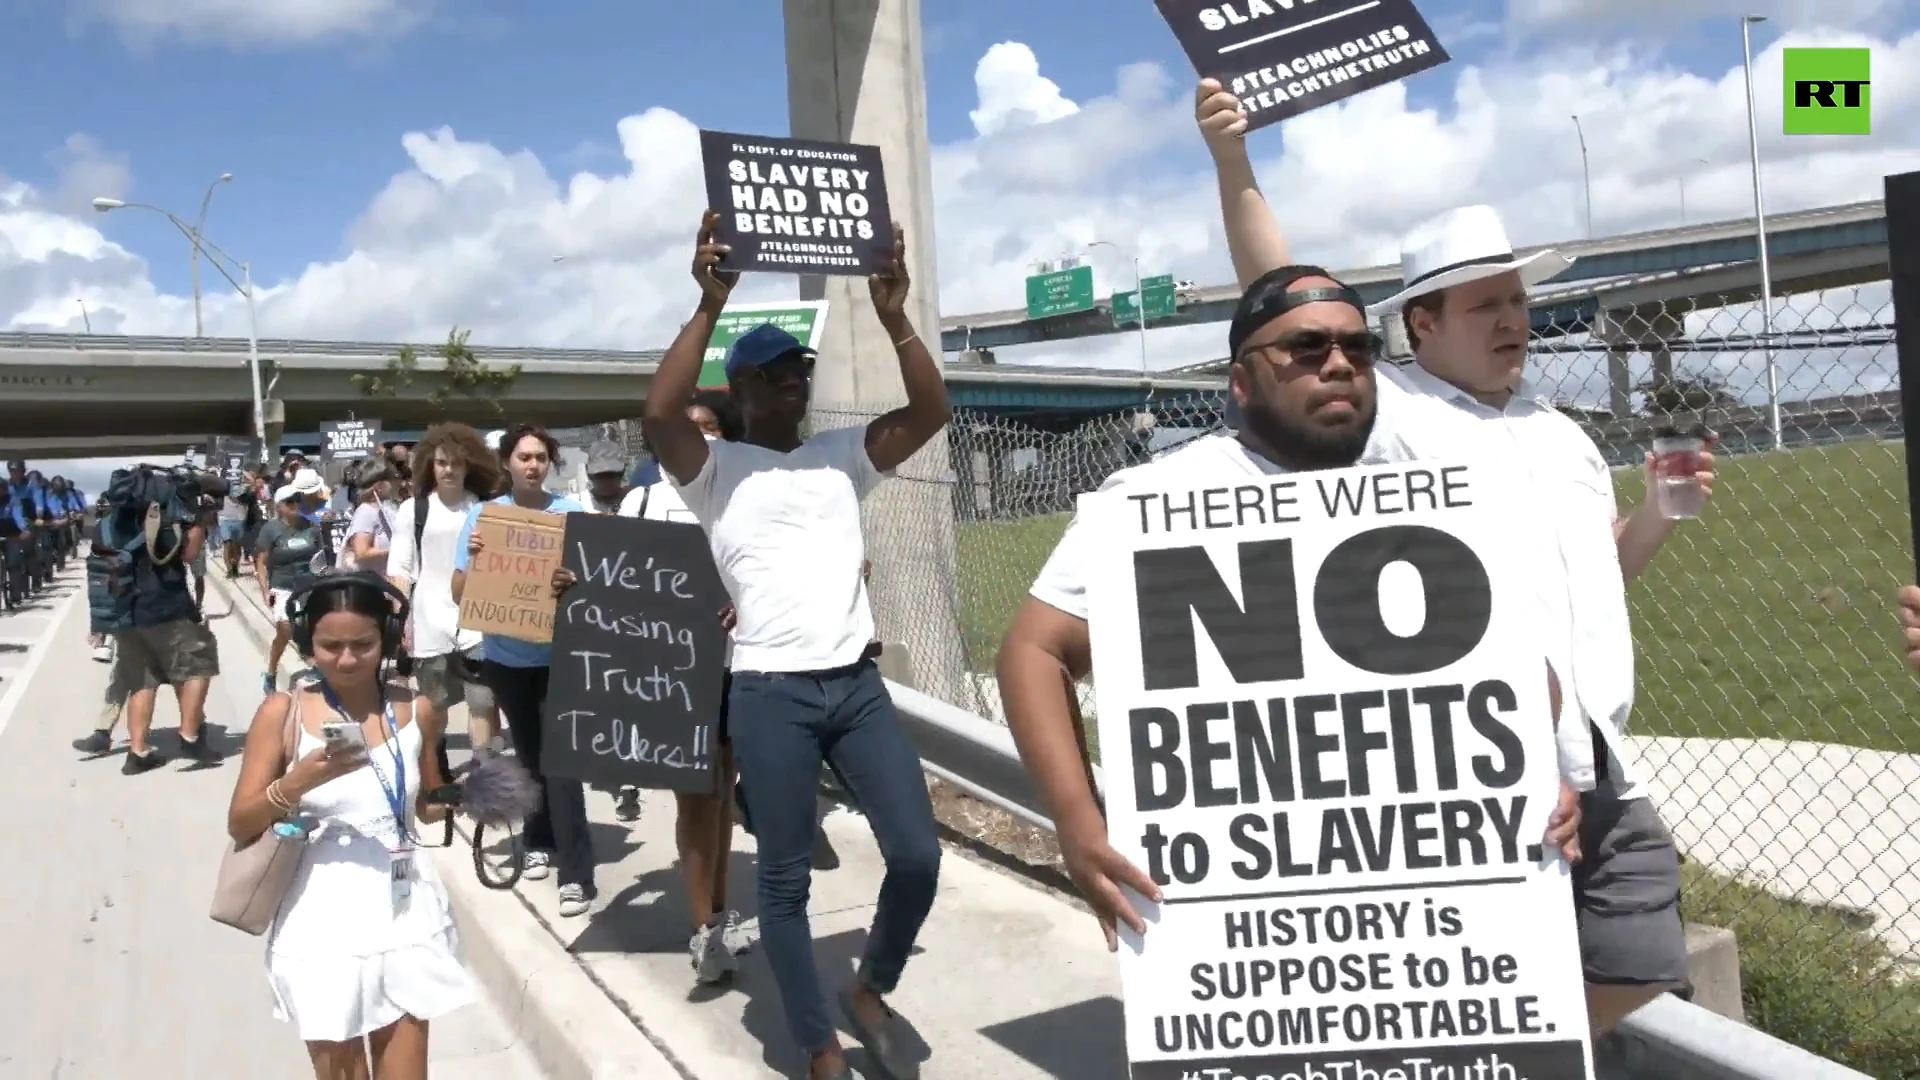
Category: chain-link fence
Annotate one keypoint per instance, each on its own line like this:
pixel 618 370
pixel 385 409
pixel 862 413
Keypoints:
pixel 1773 720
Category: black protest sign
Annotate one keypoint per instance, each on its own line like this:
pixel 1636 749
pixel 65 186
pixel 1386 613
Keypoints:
pixel 1282 58
pixel 231 456
pixel 1325 727
pixel 639 657
pixel 349 440
pixel 795 206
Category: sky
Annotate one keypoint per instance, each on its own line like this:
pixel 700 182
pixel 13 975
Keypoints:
pixel 403 166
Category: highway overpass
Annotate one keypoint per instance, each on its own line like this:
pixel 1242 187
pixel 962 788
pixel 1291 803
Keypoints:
pixel 1809 249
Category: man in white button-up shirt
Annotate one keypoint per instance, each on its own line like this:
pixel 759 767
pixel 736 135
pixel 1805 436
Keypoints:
pixel 1465 309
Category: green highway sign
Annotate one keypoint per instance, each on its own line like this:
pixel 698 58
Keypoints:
pixel 803 319
pixel 1161 301
pixel 1060 292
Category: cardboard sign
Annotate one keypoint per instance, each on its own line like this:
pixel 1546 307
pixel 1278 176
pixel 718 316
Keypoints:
pixel 794 206
pixel 349 440
pixel 639 658
pixel 1325 728
pixel 1282 58
pixel 804 319
pixel 509 589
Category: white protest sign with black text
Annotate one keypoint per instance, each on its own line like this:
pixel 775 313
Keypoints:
pixel 795 206
pixel 1282 58
pixel 1325 731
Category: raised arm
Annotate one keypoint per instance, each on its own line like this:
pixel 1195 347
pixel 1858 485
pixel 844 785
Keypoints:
pixel 897 435
pixel 1254 240
pixel 676 441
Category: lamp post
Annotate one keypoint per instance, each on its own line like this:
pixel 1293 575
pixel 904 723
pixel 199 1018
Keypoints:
pixel 199 229
pixel 1760 230
pixel 244 285
pixel 1139 300
pixel 1586 174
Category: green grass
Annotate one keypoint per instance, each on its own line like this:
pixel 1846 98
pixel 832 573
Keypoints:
pixel 1814 977
pixel 1769 617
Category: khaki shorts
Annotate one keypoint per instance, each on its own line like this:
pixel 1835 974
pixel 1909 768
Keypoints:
pixel 451 679
pixel 176 653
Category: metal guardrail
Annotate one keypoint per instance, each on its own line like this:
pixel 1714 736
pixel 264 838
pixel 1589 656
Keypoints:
pixel 1669 1039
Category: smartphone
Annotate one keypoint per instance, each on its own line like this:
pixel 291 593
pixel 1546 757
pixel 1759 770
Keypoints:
pixel 342 736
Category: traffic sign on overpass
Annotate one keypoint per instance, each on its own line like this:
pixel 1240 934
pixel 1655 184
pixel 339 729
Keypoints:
pixel 1161 301
pixel 1060 292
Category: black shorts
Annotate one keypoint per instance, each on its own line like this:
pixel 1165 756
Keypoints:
pixel 721 734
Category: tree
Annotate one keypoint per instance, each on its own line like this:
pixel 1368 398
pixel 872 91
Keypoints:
pixel 1669 395
pixel 464 374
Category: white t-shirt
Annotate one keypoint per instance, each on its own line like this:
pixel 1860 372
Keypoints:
pixel 436 617
pixel 1062 582
pixel 1583 627
pixel 658 501
pixel 785 533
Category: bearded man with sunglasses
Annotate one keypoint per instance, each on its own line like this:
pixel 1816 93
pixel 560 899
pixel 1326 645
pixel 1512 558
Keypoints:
pixel 1466 315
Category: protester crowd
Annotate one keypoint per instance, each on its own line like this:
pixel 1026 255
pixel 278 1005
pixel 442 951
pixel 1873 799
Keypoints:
pixel 363 946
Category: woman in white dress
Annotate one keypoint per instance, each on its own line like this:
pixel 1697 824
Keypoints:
pixel 363 947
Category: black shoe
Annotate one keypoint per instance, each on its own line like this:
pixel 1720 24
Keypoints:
pixel 199 750
pixel 139 763
pixel 97 744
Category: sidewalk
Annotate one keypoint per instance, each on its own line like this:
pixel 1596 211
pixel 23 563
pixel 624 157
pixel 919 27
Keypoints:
pixel 114 968
pixel 1010 982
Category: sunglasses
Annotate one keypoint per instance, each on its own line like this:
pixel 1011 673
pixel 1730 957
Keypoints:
pixel 791 363
pixel 1314 347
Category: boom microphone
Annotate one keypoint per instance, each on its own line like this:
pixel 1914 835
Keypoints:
pixel 498 790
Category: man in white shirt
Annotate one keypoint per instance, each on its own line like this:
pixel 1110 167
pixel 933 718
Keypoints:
pixel 1465 311
pixel 426 528
pixel 783 518
pixel 1302 380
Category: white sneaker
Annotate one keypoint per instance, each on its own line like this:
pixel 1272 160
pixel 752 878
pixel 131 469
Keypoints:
pixel 536 866
pixel 738 937
pixel 707 952
pixel 573 901
pixel 103 654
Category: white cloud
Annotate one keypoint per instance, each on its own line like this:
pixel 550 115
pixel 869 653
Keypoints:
pixel 467 232
pixel 251 23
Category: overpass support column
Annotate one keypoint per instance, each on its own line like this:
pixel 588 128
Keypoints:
pixel 1648 328
pixel 855 73
pixel 273 412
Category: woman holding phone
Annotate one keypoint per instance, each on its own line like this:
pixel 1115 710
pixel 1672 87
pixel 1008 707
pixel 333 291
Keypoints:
pixel 362 954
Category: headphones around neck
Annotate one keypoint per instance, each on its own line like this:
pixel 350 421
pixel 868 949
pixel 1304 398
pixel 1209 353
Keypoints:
pixel 299 605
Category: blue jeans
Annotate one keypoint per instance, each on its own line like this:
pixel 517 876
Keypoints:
pixel 783 725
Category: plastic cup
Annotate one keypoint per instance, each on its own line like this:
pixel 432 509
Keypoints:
pixel 1677 491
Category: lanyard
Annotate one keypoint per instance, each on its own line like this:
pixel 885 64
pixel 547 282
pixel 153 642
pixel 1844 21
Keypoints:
pixel 396 791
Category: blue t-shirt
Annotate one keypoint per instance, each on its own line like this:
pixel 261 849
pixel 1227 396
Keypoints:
pixel 510 651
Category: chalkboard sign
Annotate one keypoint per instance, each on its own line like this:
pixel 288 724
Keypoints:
pixel 638 657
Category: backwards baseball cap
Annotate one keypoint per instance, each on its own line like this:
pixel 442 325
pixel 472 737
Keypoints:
pixel 1268 298
pixel 761 346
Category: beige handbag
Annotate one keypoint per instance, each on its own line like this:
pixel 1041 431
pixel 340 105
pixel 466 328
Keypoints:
pixel 254 877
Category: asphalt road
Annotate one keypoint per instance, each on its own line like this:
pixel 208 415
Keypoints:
pixel 111 968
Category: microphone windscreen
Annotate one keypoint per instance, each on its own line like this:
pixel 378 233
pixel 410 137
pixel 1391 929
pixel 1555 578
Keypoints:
pixel 498 789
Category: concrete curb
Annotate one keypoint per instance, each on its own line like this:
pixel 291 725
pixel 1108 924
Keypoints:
pixel 553 1004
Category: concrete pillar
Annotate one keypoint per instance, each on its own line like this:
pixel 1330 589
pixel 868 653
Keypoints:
pixel 855 73
pixel 1620 381
pixel 273 412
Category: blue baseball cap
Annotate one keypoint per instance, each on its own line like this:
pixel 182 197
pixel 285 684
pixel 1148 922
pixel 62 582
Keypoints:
pixel 761 346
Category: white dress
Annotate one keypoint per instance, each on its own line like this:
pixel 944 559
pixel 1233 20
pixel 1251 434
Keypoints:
pixel 341 960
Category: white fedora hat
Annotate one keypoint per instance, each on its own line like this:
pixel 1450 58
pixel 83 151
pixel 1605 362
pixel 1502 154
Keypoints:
pixel 1465 245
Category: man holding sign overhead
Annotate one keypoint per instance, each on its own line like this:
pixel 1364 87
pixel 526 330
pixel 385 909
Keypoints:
pixel 782 515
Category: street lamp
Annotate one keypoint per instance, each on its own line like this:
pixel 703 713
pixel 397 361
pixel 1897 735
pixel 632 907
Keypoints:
pixel 1139 299
pixel 244 285
pixel 1760 230
pixel 1586 174
pixel 200 229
